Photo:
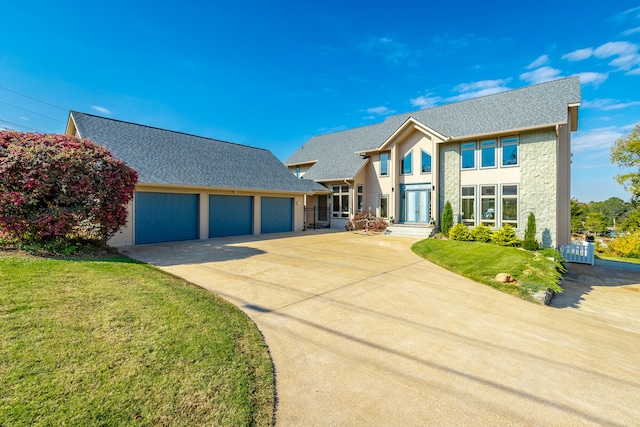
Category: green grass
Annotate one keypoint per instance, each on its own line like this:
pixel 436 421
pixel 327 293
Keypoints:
pixel 483 261
pixel 113 342
pixel 618 259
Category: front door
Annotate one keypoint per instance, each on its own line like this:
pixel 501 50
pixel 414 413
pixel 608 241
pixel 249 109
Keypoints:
pixel 415 203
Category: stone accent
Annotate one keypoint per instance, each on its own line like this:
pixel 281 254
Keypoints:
pixel 449 179
pixel 504 278
pixel 538 183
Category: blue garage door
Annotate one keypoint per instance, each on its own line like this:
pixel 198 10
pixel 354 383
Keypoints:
pixel 165 217
pixel 230 215
pixel 277 214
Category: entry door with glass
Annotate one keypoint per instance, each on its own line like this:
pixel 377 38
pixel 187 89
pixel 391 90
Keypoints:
pixel 415 203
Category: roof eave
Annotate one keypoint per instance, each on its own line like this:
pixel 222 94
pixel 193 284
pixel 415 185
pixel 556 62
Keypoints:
pixel 407 125
pixel 505 131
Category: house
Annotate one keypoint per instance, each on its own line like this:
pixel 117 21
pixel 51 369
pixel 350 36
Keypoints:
pixel 190 187
pixel 495 159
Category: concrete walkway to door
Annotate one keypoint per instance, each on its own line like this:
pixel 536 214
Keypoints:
pixel 364 332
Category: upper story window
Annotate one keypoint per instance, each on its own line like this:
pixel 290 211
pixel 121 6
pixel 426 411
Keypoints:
pixel 426 163
pixel 469 155
pixel 384 164
pixel 488 150
pixel 297 171
pixel 510 151
pixel 406 164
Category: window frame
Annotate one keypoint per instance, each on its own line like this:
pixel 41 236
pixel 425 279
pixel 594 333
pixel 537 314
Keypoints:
pixel 386 197
pixel 423 153
pixel 515 197
pixel 342 211
pixel 489 222
pixel 384 162
pixel 470 146
pixel 489 144
pixel 469 222
pixel 508 143
pixel 403 162
pixel 359 197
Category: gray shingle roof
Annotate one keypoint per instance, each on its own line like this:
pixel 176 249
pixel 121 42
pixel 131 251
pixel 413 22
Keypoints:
pixel 529 107
pixel 167 157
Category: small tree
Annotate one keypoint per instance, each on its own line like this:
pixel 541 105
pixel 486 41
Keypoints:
pixel 447 219
pixel 596 223
pixel 58 186
pixel 625 152
pixel 530 243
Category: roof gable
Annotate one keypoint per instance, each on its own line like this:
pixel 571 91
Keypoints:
pixel 172 158
pixel 537 106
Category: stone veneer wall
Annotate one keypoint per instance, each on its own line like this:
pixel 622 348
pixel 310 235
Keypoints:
pixel 538 188
pixel 449 179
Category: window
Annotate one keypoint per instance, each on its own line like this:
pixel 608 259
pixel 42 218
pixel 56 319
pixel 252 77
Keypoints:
pixel 488 150
pixel 297 171
pixel 426 163
pixel 510 151
pixel 384 206
pixel 469 155
pixel 488 205
pixel 340 206
pixel 384 164
pixel 406 164
pixel 360 191
pixel 469 206
pixel 510 205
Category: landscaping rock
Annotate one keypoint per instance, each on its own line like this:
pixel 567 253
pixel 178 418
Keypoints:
pixel 504 278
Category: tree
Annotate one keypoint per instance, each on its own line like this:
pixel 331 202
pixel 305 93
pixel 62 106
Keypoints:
pixel 596 223
pixel 447 219
pixel 58 186
pixel 613 208
pixel 530 243
pixel 577 216
pixel 631 221
pixel 625 152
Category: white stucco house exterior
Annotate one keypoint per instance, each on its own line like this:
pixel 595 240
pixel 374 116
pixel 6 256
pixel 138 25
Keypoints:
pixel 495 159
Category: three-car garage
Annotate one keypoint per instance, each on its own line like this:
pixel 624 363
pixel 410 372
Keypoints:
pixel 163 217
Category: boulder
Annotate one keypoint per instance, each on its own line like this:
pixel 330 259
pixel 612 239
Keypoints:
pixel 504 278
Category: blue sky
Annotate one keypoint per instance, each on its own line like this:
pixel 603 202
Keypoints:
pixel 273 74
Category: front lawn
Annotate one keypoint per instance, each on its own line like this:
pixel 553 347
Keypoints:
pixel 113 342
pixel 481 262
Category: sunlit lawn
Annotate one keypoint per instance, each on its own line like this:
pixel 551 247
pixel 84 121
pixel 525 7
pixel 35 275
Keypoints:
pixel 483 261
pixel 113 342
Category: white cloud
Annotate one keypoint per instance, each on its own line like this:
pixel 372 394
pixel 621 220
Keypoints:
pixel 542 60
pixel 380 111
pixel 578 55
pixel 478 89
pixel 100 109
pixel 389 49
pixel 631 31
pixel 541 75
pixel 592 78
pixel 608 104
pixel 26 119
pixel 634 72
pixel 615 48
pixel 599 139
pixel 425 101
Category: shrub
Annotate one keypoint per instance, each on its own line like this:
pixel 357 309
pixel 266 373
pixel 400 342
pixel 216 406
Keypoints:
pixel 460 232
pixel 58 186
pixel 447 219
pixel 481 233
pixel 505 236
pixel 529 243
pixel 366 220
pixel 625 246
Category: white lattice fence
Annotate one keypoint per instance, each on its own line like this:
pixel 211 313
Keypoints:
pixel 580 253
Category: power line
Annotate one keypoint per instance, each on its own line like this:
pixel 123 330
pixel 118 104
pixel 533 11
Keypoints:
pixel 34 99
pixel 29 111
pixel 21 126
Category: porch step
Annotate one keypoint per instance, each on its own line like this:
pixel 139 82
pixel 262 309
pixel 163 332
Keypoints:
pixel 410 230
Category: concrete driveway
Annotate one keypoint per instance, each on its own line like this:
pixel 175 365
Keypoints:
pixel 364 332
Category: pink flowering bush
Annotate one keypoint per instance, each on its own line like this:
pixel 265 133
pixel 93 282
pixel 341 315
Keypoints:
pixel 58 186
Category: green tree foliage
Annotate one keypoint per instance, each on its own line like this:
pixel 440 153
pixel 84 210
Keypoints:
pixel 460 232
pixel 625 152
pixel 625 246
pixel 58 186
pixel 596 223
pixel 631 221
pixel 613 208
pixel 578 215
pixel 447 219
pixel 530 243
